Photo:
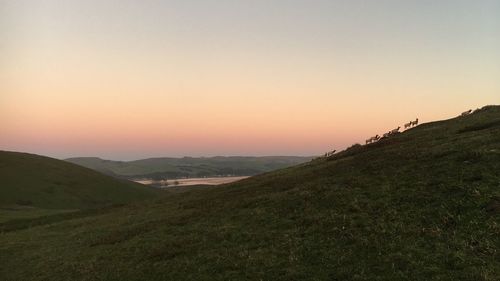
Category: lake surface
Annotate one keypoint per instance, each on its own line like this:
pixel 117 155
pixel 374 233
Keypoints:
pixel 194 181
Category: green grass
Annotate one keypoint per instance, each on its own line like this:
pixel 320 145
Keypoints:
pixel 422 205
pixel 21 212
pixel 41 182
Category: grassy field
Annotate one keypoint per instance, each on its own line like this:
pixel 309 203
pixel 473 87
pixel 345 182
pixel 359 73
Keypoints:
pixel 191 167
pixel 421 205
pixel 32 183
pixel 16 212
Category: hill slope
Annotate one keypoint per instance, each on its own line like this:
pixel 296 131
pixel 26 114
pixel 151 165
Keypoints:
pixel 170 168
pixel 43 182
pixel 422 205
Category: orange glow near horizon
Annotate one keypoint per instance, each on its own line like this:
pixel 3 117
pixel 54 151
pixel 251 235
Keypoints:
pixel 83 85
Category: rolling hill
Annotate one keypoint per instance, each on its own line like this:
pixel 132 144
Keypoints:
pixel 191 167
pixel 33 181
pixel 420 205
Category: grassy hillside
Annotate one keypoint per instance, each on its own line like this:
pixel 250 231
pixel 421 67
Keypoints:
pixel 29 181
pixel 421 205
pixel 170 168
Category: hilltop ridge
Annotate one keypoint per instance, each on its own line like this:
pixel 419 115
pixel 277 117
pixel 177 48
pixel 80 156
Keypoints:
pixel 31 180
pixel 187 167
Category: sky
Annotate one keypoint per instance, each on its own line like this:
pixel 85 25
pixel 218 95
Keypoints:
pixel 134 79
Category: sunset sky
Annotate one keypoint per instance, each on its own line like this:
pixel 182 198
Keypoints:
pixel 134 79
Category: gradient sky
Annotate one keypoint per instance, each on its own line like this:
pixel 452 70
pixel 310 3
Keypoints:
pixel 134 79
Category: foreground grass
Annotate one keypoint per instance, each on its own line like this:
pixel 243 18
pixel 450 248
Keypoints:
pixel 423 205
pixel 9 213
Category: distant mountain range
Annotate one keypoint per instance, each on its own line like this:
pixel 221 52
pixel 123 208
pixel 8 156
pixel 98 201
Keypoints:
pixel 189 167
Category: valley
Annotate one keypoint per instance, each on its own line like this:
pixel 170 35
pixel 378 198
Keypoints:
pixel 419 205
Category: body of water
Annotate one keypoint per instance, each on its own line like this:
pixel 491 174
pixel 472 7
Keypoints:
pixel 192 181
